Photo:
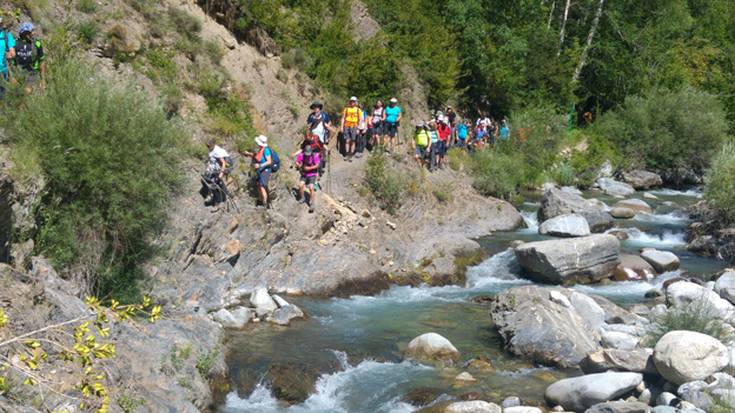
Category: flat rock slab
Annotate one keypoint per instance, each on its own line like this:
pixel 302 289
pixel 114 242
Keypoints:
pixel 639 360
pixel 580 393
pixel 566 226
pixel 568 261
pixel 636 205
pixel 662 261
pixel 641 179
pixel 615 188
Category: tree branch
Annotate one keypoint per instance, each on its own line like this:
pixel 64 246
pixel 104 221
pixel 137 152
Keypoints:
pixel 588 45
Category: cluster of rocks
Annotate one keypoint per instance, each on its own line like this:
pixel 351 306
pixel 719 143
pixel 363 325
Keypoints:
pixel 262 307
pixel 634 180
pixel 683 371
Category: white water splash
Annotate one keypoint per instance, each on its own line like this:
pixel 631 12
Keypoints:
pixel 667 239
pixel 694 193
pixel 531 220
pixel 336 393
pixel 501 268
pixel 676 217
pixel 627 290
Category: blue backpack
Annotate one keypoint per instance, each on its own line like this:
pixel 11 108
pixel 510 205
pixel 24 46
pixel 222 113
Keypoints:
pixel 275 161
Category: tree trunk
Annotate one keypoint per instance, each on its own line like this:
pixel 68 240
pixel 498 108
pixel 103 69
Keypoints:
pixel 563 26
pixel 551 15
pixel 588 45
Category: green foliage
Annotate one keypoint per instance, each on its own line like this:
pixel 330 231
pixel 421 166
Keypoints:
pixel 389 186
pixel 87 31
pixel 563 174
pixel 129 404
pixel 498 174
pixel 186 24
pixel 87 6
pixel 205 361
pixel 108 155
pixel 698 316
pixel 587 163
pixel 719 190
pixel 666 130
pixel 443 192
pixel 457 158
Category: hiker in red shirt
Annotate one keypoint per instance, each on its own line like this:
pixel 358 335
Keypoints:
pixel 445 132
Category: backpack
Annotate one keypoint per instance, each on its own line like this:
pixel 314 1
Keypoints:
pixel 275 161
pixel 28 58
pixel 422 138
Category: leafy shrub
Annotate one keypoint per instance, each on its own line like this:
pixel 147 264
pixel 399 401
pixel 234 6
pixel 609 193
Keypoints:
pixel 667 130
pixel 497 174
pixel 109 158
pixel 443 192
pixel 87 31
pixel 698 316
pixel 457 158
pixel 587 163
pixel 719 190
pixel 87 6
pixel 388 185
pixel 562 174
pixel 186 24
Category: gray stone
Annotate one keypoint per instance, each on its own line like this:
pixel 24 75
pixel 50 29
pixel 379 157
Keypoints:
pixel 568 261
pixel 636 205
pixel 588 309
pixel 283 316
pixel 598 221
pixel 622 213
pixel 560 299
pixel 615 188
pixel 648 195
pixel 725 286
pixel 559 202
pixel 640 179
pixel 432 347
pixel 236 318
pixel 618 340
pixel 279 300
pixel 645 396
pixel 633 268
pixel 684 356
pixel 665 399
pixel 580 393
pixel 696 393
pixel 262 301
pixel 513 401
pixel 538 328
pixel 662 261
pixel 619 407
pixel 665 409
pixel 566 226
pixel 474 406
pixel 687 407
pixel 639 360
pixel 522 409
pixel 684 293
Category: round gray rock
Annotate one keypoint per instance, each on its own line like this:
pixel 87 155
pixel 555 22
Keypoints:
pixel 662 261
pixel 684 356
pixel 622 213
pixel 725 286
pixel 580 393
pixel 637 205
pixel 432 347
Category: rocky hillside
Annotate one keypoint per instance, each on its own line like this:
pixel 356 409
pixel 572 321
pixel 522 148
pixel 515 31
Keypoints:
pixel 210 259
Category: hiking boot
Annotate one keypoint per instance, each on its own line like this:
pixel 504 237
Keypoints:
pixel 311 209
pixel 358 155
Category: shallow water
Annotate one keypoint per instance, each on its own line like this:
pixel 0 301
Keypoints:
pixel 354 345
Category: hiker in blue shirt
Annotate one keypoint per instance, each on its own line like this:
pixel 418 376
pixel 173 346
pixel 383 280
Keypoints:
pixel 7 45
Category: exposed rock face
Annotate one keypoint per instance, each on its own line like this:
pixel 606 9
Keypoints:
pixel 585 259
pixel 641 179
pixel 598 221
pixel 541 329
pixel 578 394
pixel 634 204
pixel 566 226
pixel 615 188
pixel 684 356
pixel 638 361
pixel 633 267
pixel 684 293
pixel 432 347
pixel 662 261
pixel 561 202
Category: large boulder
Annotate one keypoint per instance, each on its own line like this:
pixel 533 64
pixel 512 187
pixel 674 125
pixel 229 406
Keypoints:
pixel 285 314
pixel 236 318
pixel 474 406
pixel 619 340
pixel 598 221
pixel 685 293
pixel 619 407
pixel 633 267
pixel 725 286
pixel 540 323
pixel 622 213
pixel 638 360
pixel 568 225
pixel 588 309
pixel 578 394
pixel 585 259
pixel 634 204
pixel 640 179
pixel 561 202
pixel 615 188
pixel 662 261
pixel 684 356
pixel 432 347
pixel 262 301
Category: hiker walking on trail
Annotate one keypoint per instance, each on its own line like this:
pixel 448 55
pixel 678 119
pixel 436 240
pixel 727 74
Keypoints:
pixel 421 145
pixel 504 129
pixel 351 117
pixel 219 164
pixel 433 145
pixel 308 164
pixel 462 133
pixel 30 57
pixel 392 122
pixel 361 133
pixel 445 133
pixel 376 123
pixel 7 45
pixel 319 122
pixel 264 163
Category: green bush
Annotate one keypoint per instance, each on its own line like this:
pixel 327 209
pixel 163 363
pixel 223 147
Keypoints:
pixel 719 190
pixel 563 174
pixel 587 163
pixel 109 158
pixel 667 130
pixel 87 6
pixel 443 192
pixel 698 316
pixel 497 174
pixel 186 24
pixel 87 31
pixel 389 186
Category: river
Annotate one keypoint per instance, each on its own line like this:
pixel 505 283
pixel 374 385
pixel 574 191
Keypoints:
pixel 354 345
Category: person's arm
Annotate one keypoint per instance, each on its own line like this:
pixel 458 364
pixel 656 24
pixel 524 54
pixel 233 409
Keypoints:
pixel 400 115
pixel 342 122
pixel 223 166
pixel 314 167
pixel 267 163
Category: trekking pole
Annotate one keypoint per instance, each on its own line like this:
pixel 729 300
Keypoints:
pixel 329 170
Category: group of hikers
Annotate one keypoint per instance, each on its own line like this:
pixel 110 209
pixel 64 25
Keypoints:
pixel 23 58
pixel 358 129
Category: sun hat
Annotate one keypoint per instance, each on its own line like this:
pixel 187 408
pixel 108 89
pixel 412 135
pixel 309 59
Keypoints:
pixel 354 98
pixel 261 140
pixel 26 27
pixel 393 100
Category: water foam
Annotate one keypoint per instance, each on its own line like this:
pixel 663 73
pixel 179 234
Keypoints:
pixel 531 220
pixel 676 217
pixel 501 268
pixel 694 193
pixel 665 239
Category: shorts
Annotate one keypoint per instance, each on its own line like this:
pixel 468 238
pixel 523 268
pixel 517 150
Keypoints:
pixel 391 129
pixel 308 180
pixel 441 148
pixel 377 128
pixel 420 151
pixel 263 177
pixel 351 134
pixel 31 77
